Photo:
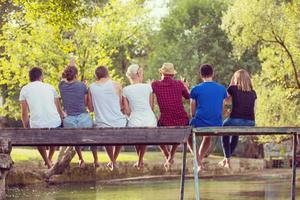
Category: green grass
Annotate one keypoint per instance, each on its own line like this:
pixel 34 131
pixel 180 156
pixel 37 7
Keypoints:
pixel 31 154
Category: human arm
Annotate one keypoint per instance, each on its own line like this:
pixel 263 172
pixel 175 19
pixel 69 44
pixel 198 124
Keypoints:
pixel 151 101
pixel 90 101
pixel 59 108
pixel 25 114
pixel 193 106
pixel 185 90
pixel 126 107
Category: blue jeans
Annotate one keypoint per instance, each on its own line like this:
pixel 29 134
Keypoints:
pixel 229 143
pixel 83 120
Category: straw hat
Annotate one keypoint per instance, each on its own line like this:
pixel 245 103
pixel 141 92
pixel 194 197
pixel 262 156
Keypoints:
pixel 167 68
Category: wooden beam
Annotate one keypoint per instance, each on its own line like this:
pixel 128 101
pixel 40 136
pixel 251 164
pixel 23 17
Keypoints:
pixel 244 130
pixel 96 136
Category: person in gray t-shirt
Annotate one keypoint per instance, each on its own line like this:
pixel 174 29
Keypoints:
pixel 74 96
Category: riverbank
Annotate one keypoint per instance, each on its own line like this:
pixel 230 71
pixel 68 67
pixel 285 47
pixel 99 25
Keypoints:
pixel 28 168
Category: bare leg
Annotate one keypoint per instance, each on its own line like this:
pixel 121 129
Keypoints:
pixel 81 160
pixel 110 153
pixel 52 150
pixel 164 149
pixel 138 150
pixel 95 155
pixel 204 149
pixel 117 150
pixel 172 154
pixel 43 152
pixel 141 156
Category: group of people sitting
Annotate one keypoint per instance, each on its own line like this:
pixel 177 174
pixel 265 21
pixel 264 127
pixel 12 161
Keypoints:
pixel 132 106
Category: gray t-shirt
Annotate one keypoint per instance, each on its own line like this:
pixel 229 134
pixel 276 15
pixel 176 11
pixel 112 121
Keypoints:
pixel 73 95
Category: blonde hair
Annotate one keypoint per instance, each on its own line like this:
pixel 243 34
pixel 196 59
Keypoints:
pixel 242 80
pixel 132 71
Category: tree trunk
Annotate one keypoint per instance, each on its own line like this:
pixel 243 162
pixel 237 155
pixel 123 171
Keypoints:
pixel 65 156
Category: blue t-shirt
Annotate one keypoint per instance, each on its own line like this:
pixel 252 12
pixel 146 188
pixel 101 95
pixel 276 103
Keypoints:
pixel 209 98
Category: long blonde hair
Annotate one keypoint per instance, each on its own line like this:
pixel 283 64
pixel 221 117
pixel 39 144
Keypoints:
pixel 242 80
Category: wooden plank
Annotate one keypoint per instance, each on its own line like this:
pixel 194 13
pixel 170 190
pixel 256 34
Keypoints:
pixel 96 136
pixel 243 130
pixel 293 182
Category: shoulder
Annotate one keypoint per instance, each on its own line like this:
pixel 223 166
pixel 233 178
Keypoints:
pixel 196 88
pixel 220 85
pixel 48 86
pixel 126 88
pixel 92 85
pixel 154 83
pixel 117 84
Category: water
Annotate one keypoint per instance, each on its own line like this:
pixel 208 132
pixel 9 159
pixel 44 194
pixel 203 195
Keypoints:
pixel 220 188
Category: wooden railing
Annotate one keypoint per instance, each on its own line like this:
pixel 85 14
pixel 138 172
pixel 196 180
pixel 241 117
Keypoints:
pixel 130 136
pixel 247 131
pixel 92 136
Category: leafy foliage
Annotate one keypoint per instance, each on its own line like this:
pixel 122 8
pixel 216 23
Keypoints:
pixel 45 33
pixel 272 26
pixel 191 35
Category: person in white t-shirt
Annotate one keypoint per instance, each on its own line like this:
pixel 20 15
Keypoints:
pixel 138 105
pixel 41 102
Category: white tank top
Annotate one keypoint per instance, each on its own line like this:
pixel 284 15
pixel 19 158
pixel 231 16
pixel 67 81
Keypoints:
pixel 106 104
pixel 138 96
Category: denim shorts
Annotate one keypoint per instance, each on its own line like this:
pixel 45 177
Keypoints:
pixel 83 120
pixel 238 122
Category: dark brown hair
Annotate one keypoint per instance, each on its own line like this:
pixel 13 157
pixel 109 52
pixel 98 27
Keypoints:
pixel 206 70
pixel 101 72
pixel 70 73
pixel 35 74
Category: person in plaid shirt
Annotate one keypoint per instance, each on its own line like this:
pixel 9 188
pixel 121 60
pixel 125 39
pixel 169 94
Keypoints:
pixel 169 95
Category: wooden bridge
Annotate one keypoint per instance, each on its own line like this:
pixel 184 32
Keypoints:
pixel 129 136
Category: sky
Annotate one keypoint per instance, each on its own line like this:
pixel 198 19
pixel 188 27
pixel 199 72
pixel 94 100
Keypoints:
pixel 158 8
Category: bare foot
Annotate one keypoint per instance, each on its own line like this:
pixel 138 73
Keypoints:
pixel 136 165
pixel 227 164
pixel 96 164
pixel 81 164
pixel 111 166
pixel 167 166
pixel 171 161
pixel 222 163
pixel 141 166
pixel 48 164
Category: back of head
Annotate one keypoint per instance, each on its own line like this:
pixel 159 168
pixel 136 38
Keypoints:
pixel 70 73
pixel 206 70
pixel 132 71
pixel 101 72
pixel 242 80
pixel 35 74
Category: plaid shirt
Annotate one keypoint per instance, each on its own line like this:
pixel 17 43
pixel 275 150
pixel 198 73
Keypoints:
pixel 169 93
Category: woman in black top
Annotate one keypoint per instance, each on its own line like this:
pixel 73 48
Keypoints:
pixel 243 111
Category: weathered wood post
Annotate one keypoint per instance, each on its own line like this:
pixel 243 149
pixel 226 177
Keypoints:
pixel 5 164
pixel 294 166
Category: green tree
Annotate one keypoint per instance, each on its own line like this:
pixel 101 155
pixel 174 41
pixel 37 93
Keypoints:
pixel 273 27
pixel 45 33
pixel 191 35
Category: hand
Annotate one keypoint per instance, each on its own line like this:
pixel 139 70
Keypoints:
pixel 85 82
pixel 185 82
pixel 72 61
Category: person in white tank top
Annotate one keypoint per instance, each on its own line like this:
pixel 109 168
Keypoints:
pixel 105 100
pixel 138 105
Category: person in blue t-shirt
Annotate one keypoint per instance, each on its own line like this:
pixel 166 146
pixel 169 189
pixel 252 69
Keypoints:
pixel 207 101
